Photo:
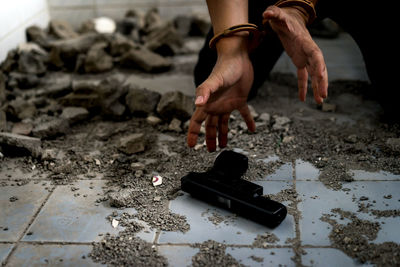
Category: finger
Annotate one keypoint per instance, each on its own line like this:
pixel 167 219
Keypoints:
pixel 314 84
pixel 209 86
pixel 318 73
pixel 211 132
pixel 272 12
pixel 302 82
pixel 223 130
pixel 194 127
pixel 245 112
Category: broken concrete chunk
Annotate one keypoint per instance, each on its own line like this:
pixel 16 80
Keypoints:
pixel 265 117
pixel 175 104
pixel 22 128
pixel 65 52
pixel 164 40
pixel 145 60
pixel 37 35
pixel 97 60
pixel 281 123
pixel 30 62
pixel 51 128
pixel 352 139
pixel 22 80
pixel 62 29
pixel 20 109
pixel 121 198
pixel 15 144
pixel 142 101
pixel 3 121
pixel 393 144
pixel 132 144
pixel 55 85
pixel 74 114
pixel 175 125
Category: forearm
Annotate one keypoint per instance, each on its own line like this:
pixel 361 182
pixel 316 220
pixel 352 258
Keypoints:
pixel 225 14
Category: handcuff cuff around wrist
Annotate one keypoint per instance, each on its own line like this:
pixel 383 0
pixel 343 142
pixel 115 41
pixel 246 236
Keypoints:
pixel 256 32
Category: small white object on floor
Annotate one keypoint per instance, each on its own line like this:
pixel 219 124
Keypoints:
pixel 157 180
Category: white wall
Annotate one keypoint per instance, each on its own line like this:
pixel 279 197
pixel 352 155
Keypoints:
pixel 15 17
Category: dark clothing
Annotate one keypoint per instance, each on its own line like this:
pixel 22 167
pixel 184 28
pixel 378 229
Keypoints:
pixel 370 25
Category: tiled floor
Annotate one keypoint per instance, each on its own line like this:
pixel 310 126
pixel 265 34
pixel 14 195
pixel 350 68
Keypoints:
pixel 56 225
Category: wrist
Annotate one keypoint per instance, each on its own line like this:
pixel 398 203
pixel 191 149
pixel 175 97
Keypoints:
pixel 233 45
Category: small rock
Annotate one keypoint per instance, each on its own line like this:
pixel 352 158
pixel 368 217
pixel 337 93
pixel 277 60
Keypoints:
pixel 287 139
pixel 164 40
pixel 265 117
pixel 363 198
pixel 120 198
pixel 175 125
pixel 327 107
pixel 351 139
pixel 393 144
pixel 37 35
pixel 153 120
pixel 133 143
pixel 51 128
pixel 137 166
pixel 23 128
pixel 3 121
pixel 145 60
pixel 142 101
pixel 175 104
pixel 13 199
pixel 97 60
pixel 281 123
pixel 74 114
pixel 62 29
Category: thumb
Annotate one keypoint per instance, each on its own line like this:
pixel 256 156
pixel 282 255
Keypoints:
pixel 209 86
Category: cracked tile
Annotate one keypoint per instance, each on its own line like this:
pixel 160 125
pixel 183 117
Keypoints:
pixel 320 257
pixel 5 249
pixel 15 215
pixel 52 255
pixel 316 200
pixel 262 257
pixel 178 256
pixel 69 218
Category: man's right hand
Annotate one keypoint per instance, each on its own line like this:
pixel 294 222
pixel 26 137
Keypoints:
pixel 225 90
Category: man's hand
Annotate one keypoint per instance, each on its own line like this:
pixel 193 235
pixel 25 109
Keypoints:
pixel 304 52
pixel 225 90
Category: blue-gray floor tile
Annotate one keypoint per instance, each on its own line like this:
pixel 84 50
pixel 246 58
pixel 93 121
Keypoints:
pixel 69 218
pixel 16 215
pixel 327 257
pixel 232 230
pixel 262 257
pixel 178 256
pixel 381 175
pixel 51 255
pixel 316 200
pixel 306 171
pixel 5 249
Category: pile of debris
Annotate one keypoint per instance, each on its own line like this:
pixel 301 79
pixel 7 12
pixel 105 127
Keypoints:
pixel 50 83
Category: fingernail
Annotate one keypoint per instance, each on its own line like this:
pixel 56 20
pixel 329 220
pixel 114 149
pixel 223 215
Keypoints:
pixel 199 100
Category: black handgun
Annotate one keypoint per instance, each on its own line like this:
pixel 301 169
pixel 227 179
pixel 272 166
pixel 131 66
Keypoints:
pixel 223 187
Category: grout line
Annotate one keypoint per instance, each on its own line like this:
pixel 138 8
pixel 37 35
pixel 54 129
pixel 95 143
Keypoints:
pixel 296 245
pixel 56 243
pixel 29 225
